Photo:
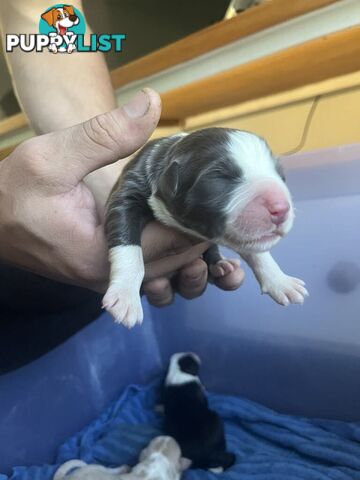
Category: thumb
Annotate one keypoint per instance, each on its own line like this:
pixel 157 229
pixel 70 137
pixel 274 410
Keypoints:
pixel 104 139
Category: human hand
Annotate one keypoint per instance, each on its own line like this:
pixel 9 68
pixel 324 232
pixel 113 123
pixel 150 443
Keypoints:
pixel 48 219
pixel 174 264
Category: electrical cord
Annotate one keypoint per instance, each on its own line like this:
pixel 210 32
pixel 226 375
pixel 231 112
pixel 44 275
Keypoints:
pixel 307 125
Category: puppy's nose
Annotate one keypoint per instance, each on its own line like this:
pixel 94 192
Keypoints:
pixel 72 18
pixel 279 212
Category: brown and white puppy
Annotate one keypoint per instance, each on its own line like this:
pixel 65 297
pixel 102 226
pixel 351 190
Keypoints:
pixel 61 19
pixel 218 184
pixel 160 460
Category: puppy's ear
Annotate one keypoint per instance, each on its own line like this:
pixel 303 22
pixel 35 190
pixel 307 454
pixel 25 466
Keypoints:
pixel 169 182
pixel 185 463
pixel 69 9
pixel 48 16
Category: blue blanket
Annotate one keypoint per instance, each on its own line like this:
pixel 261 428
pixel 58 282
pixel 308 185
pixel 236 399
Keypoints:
pixel 268 445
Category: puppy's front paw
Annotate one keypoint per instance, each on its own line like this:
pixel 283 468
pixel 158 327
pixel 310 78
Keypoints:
pixel 285 289
pixel 124 305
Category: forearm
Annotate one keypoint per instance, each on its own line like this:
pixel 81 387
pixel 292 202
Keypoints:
pixel 58 90
pixel 55 91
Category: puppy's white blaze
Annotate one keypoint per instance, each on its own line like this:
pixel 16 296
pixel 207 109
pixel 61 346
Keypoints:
pixel 254 158
pixel 175 375
pixel 252 155
pixel 164 216
pixel 126 267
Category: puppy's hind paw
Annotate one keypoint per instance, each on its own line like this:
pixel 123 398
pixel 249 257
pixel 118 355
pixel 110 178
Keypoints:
pixel 223 267
pixel 124 306
pixel 227 273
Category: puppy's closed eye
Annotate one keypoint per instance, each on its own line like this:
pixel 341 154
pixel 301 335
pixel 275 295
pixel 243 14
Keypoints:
pixel 226 169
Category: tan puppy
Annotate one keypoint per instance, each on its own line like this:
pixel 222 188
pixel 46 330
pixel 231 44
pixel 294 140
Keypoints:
pixel 160 460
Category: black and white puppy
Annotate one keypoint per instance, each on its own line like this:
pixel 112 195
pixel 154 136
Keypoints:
pixel 218 184
pixel 198 430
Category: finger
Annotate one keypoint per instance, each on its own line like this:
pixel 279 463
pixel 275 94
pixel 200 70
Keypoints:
pixel 172 263
pixel 233 280
pixel 159 292
pixel 158 240
pixel 191 281
pixel 77 151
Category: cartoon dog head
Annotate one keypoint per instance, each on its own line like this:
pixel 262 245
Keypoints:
pixel 61 18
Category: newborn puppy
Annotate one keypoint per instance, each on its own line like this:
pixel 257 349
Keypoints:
pixel 160 460
pixel 188 418
pixel 218 184
pixel 79 470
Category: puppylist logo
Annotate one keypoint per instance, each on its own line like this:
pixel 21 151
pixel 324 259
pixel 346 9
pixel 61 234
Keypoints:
pixel 62 30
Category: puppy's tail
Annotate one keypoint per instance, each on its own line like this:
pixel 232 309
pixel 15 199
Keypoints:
pixel 66 467
pixel 222 460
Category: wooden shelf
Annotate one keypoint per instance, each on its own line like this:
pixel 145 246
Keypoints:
pixel 256 19
pixel 4 152
pixel 15 122
pixel 313 61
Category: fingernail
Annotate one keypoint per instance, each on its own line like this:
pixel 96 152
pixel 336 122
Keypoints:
pixel 196 278
pixel 138 106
